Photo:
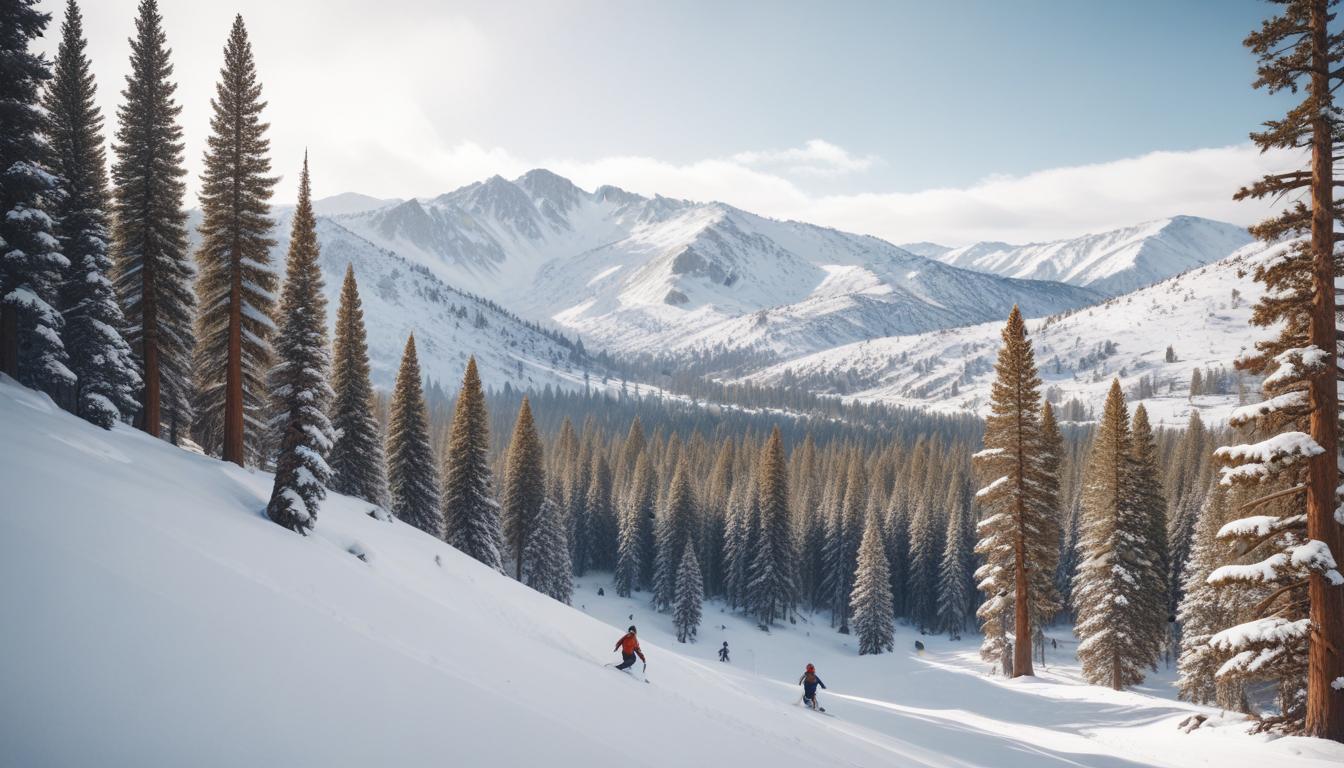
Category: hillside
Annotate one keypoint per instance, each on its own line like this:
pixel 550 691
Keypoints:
pixel 1112 263
pixel 1202 315
pixel 154 616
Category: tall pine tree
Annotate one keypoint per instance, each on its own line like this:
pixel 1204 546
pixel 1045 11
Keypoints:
pixel 412 481
pixel 524 489
pixel 236 284
pixel 689 593
pixel 107 381
pixel 1016 543
pixel 874 622
pixel 31 263
pixel 546 554
pixel 676 528
pixel 770 586
pixel 356 457
pixel 298 382
pixel 153 270
pixel 470 512
pixel 1115 628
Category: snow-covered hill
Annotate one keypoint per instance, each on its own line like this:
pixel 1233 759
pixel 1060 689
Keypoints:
pixel 155 617
pixel 637 274
pixel 1202 315
pixel 1112 263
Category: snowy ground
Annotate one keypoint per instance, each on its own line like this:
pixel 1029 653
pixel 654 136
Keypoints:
pixel 153 616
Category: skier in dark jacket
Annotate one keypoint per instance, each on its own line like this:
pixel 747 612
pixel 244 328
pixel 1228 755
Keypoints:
pixel 810 681
pixel 628 645
pixel 723 652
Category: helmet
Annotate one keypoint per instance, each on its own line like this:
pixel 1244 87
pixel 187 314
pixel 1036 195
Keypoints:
pixel 632 628
pixel 811 668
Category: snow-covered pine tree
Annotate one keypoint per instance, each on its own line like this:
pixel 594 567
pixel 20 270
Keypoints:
pixel 298 382
pixel 1205 610
pixel 412 481
pixel 714 525
pixel 896 533
pixel 1016 512
pixel 690 592
pixel 642 499
pixel 874 623
pixel 846 536
pixel 926 547
pixel 601 516
pixel 471 516
pixel 546 555
pixel 736 541
pixel 626 576
pixel 356 456
pixel 524 487
pixel 107 380
pixel 1115 625
pixel 236 285
pixel 31 263
pixel 1187 485
pixel 1297 53
pixel 1045 597
pixel 1152 505
pixel 955 585
pixel 631 449
pixel 576 509
pixel 770 587
pixel 153 269
pixel 676 527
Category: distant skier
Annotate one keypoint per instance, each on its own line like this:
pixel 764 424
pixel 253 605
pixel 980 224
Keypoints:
pixel 628 645
pixel 723 652
pixel 810 681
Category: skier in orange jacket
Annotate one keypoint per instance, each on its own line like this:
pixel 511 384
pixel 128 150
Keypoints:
pixel 628 645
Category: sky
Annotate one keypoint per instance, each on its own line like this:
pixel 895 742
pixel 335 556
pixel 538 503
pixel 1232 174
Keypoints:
pixel 951 121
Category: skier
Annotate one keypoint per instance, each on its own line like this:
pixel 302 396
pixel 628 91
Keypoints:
pixel 723 652
pixel 810 681
pixel 628 645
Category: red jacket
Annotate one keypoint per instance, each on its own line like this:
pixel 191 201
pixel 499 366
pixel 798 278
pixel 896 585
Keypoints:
pixel 628 645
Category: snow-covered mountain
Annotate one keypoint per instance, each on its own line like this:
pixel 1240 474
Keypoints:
pixel 1202 315
pixel 1112 263
pixel 155 617
pixel 638 274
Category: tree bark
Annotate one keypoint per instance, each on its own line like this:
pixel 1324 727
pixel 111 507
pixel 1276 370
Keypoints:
pixel 1021 594
pixel 1325 663
pixel 150 414
pixel 233 376
pixel 9 341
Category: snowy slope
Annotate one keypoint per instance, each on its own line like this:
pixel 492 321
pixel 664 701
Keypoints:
pixel 1112 263
pixel 637 274
pixel 154 617
pixel 1202 314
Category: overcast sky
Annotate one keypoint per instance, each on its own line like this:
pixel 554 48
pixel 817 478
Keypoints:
pixel 947 121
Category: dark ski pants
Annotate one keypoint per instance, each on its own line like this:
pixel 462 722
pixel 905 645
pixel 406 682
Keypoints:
pixel 627 661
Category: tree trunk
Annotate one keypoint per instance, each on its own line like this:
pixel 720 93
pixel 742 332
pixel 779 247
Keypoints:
pixel 150 414
pixel 1325 663
pixel 233 376
pixel 1021 594
pixel 9 341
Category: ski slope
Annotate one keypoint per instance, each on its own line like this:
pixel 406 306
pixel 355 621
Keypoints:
pixel 154 617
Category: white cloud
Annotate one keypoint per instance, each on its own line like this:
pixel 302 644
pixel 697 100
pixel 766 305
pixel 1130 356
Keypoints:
pixel 815 158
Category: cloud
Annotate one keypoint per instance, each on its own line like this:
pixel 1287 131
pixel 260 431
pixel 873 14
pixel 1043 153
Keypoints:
pixel 815 158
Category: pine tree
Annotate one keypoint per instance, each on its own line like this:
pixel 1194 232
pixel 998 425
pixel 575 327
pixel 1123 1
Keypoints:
pixel 298 382
pixel 471 516
pixel 413 483
pixel 236 284
pixel 770 587
pixel 1206 609
pixel 31 263
pixel 107 381
pixel 874 622
pixel 642 501
pixel 686 609
pixel 356 457
pixel 676 527
pixel 524 488
pixel 1115 629
pixel 546 554
pixel 955 585
pixel 1016 543
pixel 1152 506
pixel 1045 595
pixel 1299 54
pixel 601 516
pixel 626 577
pixel 844 540
pixel 926 546
pixel 717 489
pixel 153 270
pixel 575 504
